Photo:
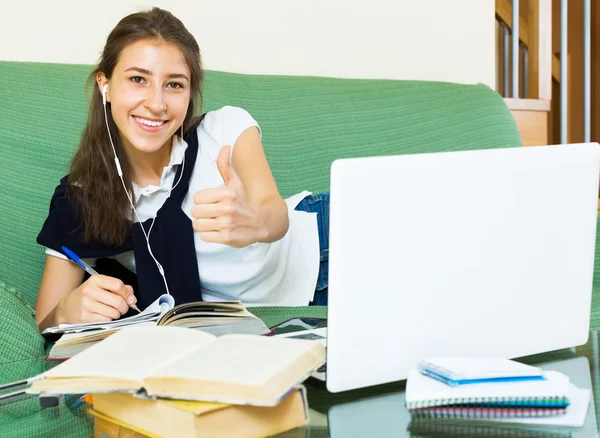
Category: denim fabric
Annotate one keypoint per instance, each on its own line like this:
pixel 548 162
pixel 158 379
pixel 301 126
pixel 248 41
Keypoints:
pixel 319 204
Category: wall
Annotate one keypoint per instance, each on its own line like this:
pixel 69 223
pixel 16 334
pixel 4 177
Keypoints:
pixel 449 40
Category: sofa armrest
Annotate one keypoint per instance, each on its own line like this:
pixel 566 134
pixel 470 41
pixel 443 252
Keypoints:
pixel 20 338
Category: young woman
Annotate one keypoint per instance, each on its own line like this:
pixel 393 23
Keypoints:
pixel 162 200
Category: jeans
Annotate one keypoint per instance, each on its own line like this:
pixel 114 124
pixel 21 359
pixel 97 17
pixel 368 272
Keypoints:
pixel 319 204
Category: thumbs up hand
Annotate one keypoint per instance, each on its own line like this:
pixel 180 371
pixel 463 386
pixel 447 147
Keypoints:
pixel 230 178
pixel 223 214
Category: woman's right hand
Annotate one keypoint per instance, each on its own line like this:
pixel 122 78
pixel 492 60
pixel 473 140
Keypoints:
pixel 99 299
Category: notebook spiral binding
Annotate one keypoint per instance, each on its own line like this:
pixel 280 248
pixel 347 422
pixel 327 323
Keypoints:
pixel 492 402
pixel 484 412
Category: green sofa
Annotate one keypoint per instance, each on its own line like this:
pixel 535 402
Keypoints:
pixel 307 122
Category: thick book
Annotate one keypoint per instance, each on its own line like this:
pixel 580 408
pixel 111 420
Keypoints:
pixel 178 363
pixel 175 418
pixel 108 427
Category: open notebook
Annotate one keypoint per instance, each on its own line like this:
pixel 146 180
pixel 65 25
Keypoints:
pixel 151 313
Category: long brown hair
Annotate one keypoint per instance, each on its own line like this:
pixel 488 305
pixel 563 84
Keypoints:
pixel 97 188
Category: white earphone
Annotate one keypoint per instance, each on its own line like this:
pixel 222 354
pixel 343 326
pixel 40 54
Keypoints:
pixel 120 172
pixel 104 90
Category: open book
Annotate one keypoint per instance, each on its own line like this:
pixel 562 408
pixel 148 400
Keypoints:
pixel 164 312
pixel 173 362
pixel 217 318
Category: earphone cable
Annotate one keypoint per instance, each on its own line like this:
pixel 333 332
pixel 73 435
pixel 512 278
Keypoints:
pixel 146 235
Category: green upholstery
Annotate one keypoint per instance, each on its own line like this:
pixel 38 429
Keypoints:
pixel 275 315
pixel 307 122
pixel 595 314
pixel 18 320
pixel 24 419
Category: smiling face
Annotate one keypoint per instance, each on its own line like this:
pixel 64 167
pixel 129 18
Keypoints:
pixel 149 93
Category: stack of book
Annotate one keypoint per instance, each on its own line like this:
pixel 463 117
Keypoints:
pixel 444 392
pixel 174 382
pixel 116 414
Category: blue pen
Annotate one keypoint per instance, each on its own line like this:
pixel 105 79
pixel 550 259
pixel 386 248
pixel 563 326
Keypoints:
pixel 87 268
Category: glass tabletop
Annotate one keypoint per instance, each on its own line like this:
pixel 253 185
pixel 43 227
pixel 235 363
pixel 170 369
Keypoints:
pixel 369 412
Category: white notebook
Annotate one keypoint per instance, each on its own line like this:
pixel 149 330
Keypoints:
pixel 423 391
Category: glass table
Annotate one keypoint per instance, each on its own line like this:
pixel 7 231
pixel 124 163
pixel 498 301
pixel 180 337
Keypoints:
pixel 370 412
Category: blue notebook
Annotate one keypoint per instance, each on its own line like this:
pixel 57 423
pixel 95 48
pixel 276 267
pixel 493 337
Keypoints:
pixel 456 371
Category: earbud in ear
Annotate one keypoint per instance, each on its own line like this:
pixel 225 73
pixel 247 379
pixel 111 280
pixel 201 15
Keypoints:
pixel 104 90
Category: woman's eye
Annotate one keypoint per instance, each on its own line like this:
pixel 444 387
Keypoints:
pixel 137 79
pixel 174 85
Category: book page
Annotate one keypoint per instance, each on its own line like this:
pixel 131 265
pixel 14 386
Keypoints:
pixel 151 313
pixel 214 309
pixel 132 353
pixel 167 320
pixel 247 360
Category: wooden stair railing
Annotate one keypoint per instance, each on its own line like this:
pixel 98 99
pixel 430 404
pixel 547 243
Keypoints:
pixel 532 113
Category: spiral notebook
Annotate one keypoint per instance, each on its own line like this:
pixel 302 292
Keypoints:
pixel 573 415
pixel 487 412
pixel 524 397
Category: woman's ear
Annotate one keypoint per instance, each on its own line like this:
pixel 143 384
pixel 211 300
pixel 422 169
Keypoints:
pixel 102 82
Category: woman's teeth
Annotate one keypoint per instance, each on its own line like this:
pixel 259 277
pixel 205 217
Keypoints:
pixel 149 122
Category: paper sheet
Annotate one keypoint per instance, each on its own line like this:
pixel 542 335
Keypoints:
pixel 151 313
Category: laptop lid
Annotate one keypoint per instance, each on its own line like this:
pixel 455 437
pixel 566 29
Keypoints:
pixel 487 252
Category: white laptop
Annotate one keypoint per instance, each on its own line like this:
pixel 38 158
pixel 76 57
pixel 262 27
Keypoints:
pixel 487 252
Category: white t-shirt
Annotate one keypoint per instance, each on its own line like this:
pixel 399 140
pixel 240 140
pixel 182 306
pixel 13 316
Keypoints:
pixel 280 273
